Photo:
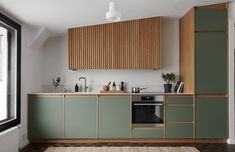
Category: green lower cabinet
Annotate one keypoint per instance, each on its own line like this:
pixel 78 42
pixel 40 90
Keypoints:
pixel 45 117
pixel 179 130
pixel 80 116
pixel 211 117
pixel 142 133
pixel 179 113
pixel 114 117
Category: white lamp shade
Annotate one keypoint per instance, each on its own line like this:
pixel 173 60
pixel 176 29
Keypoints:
pixel 113 15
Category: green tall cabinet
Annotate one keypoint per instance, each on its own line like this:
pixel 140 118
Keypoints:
pixel 45 117
pixel 204 67
pixel 80 116
pixel 211 73
pixel 114 117
pixel 211 51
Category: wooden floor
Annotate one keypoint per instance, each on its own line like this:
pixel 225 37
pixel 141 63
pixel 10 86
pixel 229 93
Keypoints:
pixel 201 147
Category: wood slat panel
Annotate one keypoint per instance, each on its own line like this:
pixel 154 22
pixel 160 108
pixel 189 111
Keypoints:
pixel 107 51
pixel 123 45
pixel 149 43
pixel 134 44
pixel 187 61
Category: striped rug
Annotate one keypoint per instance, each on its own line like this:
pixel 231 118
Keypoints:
pixel 122 149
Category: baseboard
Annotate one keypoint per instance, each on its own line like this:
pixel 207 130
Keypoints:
pixel 130 141
pixel 23 143
pixel 231 141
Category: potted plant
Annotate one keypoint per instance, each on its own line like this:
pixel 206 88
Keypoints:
pixel 56 83
pixel 168 78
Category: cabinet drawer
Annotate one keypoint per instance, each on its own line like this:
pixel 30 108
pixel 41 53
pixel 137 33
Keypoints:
pixel 211 20
pixel 179 131
pixel 179 113
pixel 142 133
pixel 179 100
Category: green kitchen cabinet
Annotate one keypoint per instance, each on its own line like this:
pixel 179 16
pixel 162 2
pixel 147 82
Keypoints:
pixel 179 100
pixel 179 130
pixel 211 62
pixel 148 133
pixel 210 20
pixel 114 117
pixel 211 117
pixel 179 113
pixel 80 116
pixel 45 117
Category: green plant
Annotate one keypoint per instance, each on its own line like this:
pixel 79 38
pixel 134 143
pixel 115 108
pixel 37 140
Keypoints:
pixel 56 82
pixel 168 77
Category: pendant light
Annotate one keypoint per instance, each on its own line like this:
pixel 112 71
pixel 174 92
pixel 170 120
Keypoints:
pixel 113 15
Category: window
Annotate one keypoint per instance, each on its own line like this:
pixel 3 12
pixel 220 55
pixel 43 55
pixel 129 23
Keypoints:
pixel 10 52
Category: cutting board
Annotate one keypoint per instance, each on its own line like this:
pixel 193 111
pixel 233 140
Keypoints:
pixel 111 91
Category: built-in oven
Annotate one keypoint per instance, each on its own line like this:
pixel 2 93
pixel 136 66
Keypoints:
pixel 147 111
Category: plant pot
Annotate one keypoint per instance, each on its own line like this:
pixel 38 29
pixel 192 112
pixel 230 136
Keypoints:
pixel 167 88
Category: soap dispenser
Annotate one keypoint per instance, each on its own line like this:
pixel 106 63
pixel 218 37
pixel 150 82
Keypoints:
pixel 76 87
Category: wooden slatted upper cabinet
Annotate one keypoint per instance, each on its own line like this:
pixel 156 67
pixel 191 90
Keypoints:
pixel 131 44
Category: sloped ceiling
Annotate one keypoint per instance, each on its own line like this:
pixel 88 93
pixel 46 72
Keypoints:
pixel 59 15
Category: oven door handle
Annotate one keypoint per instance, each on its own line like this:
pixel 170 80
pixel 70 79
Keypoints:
pixel 148 104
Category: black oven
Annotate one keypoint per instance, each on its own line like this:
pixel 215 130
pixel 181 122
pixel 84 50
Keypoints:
pixel 147 111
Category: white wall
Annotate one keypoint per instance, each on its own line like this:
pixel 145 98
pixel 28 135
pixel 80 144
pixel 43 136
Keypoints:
pixel 231 34
pixel 31 76
pixel 31 80
pixel 56 64
pixel 9 140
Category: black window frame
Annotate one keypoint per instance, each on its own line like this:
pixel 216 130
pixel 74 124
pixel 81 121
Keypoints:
pixel 11 123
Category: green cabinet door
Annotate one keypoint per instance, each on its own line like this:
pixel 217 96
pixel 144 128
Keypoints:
pixel 45 117
pixel 80 116
pixel 211 62
pixel 210 20
pixel 179 113
pixel 114 117
pixel 211 117
pixel 179 130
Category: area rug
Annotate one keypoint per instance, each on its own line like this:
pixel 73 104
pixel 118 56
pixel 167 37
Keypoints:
pixel 122 149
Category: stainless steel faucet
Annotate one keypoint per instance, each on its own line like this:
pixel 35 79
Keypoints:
pixel 85 87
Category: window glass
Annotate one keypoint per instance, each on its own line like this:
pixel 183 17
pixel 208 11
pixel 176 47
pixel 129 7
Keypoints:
pixel 10 43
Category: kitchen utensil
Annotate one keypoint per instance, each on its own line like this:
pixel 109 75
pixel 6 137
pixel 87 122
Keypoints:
pixel 137 89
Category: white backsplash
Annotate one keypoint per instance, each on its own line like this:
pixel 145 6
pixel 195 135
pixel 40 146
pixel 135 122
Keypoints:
pixel 97 88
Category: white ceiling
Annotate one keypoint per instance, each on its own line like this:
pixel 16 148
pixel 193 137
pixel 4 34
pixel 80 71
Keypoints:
pixel 59 15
